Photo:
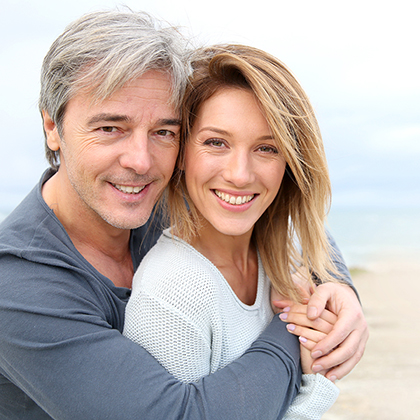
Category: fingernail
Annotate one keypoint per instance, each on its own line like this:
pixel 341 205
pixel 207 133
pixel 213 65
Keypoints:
pixel 291 327
pixel 283 316
pixel 316 354
pixel 303 339
pixel 317 368
pixel 333 379
pixel 286 309
pixel 312 312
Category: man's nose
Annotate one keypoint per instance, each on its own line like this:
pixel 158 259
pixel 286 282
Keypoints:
pixel 137 153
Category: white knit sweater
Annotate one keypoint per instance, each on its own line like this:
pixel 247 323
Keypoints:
pixel 184 312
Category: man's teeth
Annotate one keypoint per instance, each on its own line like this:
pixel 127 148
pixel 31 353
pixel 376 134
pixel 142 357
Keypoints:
pixel 128 190
pixel 234 199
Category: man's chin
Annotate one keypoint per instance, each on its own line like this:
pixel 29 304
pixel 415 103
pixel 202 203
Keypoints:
pixel 125 221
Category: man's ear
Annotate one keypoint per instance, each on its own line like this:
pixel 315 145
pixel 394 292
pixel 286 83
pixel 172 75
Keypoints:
pixel 51 131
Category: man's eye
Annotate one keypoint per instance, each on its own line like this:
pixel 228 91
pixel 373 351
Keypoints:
pixel 108 129
pixel 164 133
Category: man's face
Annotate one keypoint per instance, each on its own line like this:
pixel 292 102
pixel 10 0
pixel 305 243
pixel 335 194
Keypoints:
pixel 118 155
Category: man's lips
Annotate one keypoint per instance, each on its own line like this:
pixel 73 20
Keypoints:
pixel 127 189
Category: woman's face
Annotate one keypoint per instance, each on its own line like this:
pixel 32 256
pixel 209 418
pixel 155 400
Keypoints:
pixel 233 168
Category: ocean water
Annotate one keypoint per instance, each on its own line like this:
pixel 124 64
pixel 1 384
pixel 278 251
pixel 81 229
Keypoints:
pixel 370 235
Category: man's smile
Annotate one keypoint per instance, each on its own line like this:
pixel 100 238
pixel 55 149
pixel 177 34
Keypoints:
pixel 128 189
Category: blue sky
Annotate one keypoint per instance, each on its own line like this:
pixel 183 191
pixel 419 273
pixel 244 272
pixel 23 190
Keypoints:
pixel 358 61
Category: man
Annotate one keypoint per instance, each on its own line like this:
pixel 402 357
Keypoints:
pixel 110 89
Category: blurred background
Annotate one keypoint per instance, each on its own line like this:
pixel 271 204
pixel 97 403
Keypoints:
pixel 359 63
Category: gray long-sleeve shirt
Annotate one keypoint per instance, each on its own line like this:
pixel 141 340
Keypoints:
pixel 62 354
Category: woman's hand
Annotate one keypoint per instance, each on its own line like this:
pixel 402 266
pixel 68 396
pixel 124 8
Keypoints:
pixel 343 347
pixel 310 332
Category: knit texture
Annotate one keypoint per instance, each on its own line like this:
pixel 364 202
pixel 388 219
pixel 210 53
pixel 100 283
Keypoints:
pixel 185 314
pixel 183 311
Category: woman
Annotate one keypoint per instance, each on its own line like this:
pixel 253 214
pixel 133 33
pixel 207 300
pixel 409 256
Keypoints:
pixel 247 203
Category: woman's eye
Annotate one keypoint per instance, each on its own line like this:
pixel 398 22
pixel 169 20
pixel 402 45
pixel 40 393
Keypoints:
pixel 214 142
pixel 268 149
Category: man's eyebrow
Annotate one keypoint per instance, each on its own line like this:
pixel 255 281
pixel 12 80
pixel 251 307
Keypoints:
pixel 109 117
pixel 104 117
pixel 169 121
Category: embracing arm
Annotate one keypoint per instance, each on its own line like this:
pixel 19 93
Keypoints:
pixel 58 347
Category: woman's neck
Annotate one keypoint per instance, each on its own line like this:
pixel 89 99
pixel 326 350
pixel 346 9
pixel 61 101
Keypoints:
pixel 235 257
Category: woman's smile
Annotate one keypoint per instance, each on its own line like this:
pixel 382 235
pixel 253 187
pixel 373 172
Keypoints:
pixel 234 199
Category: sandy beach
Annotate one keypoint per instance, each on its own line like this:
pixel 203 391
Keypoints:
pixel 385 384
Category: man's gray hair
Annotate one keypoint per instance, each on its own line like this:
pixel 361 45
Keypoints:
pixel 104 50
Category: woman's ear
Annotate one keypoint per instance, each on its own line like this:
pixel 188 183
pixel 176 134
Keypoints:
pixel 51 132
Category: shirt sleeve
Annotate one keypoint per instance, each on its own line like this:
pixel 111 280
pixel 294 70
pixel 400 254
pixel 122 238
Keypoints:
pixel 316 396
pixel 338 259
pixel 59 348
pixel 339 263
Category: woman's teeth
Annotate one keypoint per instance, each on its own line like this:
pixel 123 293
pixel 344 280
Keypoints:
pixel 234 199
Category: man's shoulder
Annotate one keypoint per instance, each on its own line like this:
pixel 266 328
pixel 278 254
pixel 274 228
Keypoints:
pixel 31 228
pixel 42 269
pixel 34 243
pixel 19 227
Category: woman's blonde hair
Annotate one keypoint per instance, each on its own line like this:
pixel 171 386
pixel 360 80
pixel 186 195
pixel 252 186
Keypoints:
pixel 298 212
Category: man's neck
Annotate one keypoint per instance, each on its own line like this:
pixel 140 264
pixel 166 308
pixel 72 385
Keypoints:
pixel 105 247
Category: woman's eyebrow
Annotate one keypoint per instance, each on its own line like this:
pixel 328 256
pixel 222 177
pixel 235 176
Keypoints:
pixel 227 133
pixel 215 130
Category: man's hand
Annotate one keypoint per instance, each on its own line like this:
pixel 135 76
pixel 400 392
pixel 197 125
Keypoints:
pixel 343 347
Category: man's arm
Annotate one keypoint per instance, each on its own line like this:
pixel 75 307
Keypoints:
pixel 58 346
